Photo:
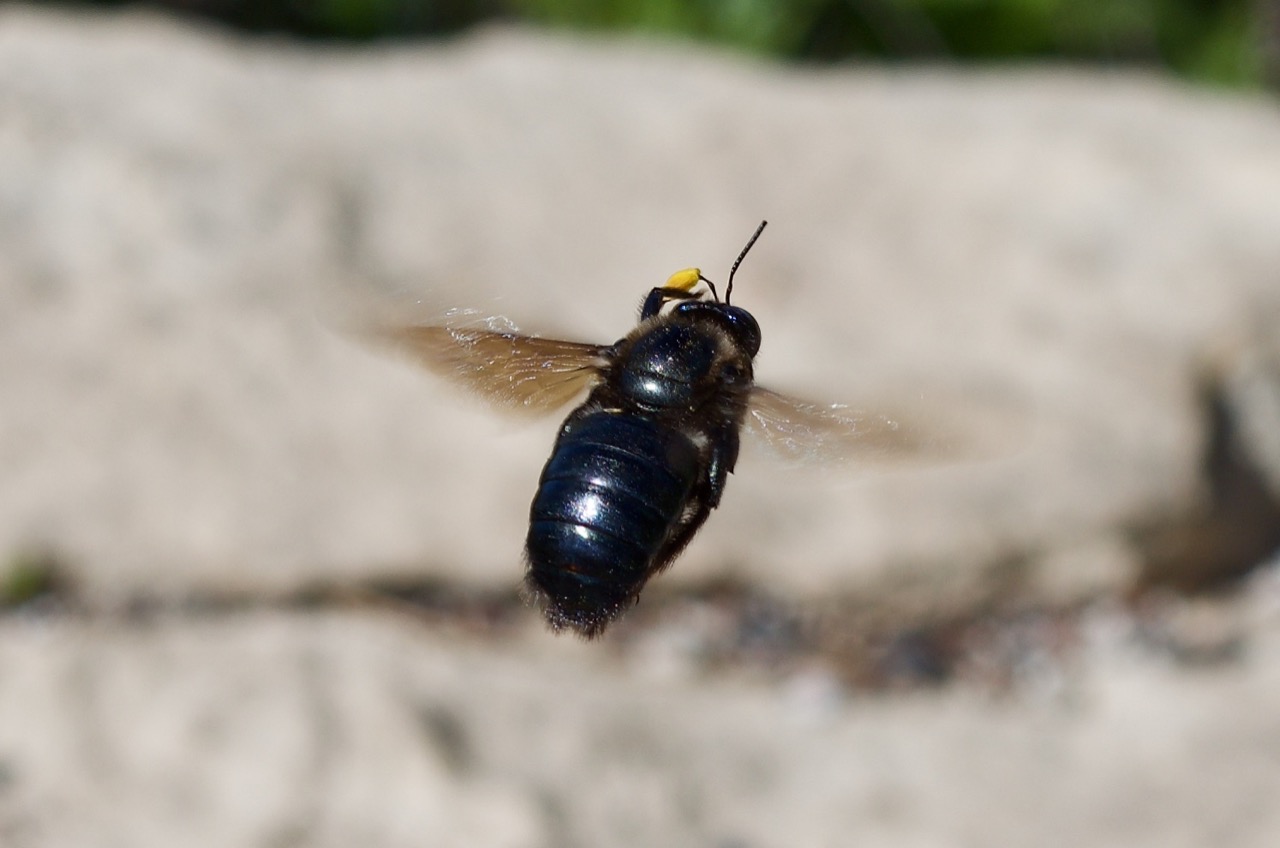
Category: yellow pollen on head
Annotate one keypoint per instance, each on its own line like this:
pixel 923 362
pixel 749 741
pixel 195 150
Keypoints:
pixel 684 280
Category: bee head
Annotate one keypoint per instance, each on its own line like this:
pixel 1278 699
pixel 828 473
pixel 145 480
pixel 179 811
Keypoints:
pixel 740 324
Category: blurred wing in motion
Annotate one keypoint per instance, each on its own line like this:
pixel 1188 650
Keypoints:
pixel 507 369
pixel 814 434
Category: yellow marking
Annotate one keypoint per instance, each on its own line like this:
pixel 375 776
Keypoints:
pixel 684 280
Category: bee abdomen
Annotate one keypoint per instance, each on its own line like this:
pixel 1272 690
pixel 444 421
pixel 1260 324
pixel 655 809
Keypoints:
pixel 615 486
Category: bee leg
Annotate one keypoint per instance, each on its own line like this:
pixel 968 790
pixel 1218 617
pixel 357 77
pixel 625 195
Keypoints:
pixel 695 513
pixel 724 456
pixel 704 497
pixel 658 298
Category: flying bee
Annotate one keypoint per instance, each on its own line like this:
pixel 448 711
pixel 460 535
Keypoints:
pixel 640 464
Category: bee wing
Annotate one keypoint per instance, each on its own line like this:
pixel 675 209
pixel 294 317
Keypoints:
pixel 815 434
pixel 507 369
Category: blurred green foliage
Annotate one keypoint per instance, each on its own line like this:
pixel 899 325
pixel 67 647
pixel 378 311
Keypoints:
pixel 29 576
pixel 1222 41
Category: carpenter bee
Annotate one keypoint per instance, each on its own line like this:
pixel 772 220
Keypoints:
pixel 640 464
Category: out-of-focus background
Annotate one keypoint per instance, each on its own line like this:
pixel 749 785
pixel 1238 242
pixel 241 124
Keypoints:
pixel 259 578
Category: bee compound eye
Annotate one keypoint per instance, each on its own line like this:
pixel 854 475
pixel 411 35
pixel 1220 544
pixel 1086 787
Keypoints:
pixel 742 325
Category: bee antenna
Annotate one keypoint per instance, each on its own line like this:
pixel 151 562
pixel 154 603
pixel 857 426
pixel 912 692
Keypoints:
pixel 711 286
pixel 729 288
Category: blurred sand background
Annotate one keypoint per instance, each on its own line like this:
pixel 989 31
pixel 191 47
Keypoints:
pixel 260 577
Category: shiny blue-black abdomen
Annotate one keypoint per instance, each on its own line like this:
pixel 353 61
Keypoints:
pixel 610 496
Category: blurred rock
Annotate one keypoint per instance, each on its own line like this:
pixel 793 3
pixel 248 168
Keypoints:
pixel 342 730
pixel 1080 265
pixel 1250 375
pixel 1048 251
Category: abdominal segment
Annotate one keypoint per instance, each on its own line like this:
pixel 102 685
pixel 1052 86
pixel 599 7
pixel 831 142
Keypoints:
pixel 610 496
